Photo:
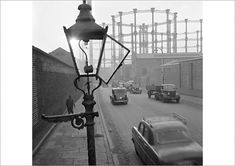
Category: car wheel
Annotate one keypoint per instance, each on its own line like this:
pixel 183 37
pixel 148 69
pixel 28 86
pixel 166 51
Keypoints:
pixel 136 150
pixel 149 95
pixel 156 97
pixel 177 100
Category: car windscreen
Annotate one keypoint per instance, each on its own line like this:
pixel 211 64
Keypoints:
pixel 172 136
pixel 169 87
pixel 120 92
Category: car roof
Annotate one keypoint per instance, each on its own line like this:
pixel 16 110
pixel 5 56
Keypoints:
pixel 168 125
pixel 119 88
pixel 168 84
pixel 165 121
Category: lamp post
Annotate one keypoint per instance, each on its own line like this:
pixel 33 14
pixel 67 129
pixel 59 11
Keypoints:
pixel 162 62
pixel 84 30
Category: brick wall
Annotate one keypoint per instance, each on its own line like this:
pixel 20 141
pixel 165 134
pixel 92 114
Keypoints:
pixel 52 83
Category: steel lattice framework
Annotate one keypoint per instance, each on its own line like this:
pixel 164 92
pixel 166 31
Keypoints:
pixel 146 38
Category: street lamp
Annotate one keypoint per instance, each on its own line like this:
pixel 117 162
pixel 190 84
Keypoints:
pixel 84 30
pixel 162 62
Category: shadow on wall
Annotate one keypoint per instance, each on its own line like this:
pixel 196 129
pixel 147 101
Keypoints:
pixel 52 84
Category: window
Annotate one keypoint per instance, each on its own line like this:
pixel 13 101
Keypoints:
pixel 146 134
pixel 141 128
pixel 172 136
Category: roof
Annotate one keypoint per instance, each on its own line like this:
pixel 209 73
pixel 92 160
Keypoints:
pixel 168 85
pixel 168 125
pixel 41 52
pixel 63 56
pixel 177 61
pixel 169 55
pixel 165 121
pixel 119 88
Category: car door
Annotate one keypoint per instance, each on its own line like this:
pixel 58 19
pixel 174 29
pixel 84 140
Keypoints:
pixel 139 142
pixel 145 144
pixel 148 150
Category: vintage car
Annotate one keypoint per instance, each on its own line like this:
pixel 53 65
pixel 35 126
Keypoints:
pixel 167 93
pixel 119 95
pixel 135 90
pixel 153 89
pixel 120 84
pixel 128 85
pixel 165 140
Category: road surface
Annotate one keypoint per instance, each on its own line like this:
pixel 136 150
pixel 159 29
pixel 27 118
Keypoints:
pixel 121 118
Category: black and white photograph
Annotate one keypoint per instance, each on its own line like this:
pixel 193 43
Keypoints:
pixel 122 83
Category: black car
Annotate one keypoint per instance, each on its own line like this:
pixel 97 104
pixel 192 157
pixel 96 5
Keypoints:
pixel 119 95
pixel 165 140
pixel 153 89
pixel 167 93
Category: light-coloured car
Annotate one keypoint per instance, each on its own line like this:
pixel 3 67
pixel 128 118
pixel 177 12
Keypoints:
pixel 165 140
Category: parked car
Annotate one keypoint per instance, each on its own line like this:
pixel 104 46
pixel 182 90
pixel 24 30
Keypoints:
pixel 167 92
pixel 120 84
pixel 119 95
pixel 165 140
pixel 153 89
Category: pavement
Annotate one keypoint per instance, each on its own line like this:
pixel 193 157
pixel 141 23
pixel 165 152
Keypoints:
pixel 191 99
pixel 66 145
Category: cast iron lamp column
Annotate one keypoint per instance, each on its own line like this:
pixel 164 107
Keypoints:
pixel 86 29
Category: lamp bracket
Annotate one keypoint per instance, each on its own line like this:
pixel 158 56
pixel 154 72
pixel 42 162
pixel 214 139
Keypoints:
pixel 76 119
pixel 87 75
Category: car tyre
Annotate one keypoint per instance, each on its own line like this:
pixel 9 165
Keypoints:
pixel 156 97
pixel 177 100
pixel 136 150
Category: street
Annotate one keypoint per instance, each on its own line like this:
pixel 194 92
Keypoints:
pixel 121 118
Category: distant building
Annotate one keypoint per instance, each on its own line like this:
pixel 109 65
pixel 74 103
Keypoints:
pixel 148 68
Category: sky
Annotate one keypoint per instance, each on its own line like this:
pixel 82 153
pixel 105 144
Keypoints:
pixel 49 17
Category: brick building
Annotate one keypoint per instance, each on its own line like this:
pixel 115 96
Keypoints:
pixel 182 69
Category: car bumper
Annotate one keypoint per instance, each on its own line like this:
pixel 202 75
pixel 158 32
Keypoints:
pixel 120 101
pixel 171 98
pixel 136 91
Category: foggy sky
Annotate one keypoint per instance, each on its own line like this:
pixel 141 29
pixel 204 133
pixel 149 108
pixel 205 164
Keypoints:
pixel 49 17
